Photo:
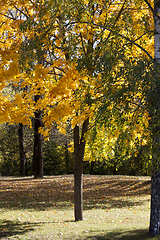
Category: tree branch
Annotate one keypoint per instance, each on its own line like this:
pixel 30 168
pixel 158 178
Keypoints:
pixel 21 12
pixel 7 16
pixel 82 43
pixel 128 39
pixel 143 35
pixel 118 16
pixel 118 34
pixel 149 5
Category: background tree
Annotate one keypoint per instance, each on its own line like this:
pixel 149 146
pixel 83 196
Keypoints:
pixel 21 150
pixel 9 150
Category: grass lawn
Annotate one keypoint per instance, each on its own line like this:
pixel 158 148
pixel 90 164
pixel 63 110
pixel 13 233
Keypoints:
pixel 115 207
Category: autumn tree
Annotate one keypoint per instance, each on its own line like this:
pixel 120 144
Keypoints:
pixel 74 65
pixel 100 39
pixel 28 29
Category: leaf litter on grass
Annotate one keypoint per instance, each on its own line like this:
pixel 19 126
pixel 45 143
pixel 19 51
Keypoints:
pixel 44 207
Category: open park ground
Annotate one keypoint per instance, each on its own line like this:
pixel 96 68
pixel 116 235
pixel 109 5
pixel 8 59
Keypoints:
pixel 115 207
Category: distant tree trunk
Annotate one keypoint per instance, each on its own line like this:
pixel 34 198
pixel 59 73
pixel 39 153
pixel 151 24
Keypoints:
pixel 21 150
pixel 154 122
pixel 67 159
pixel 79 147
pixel 92 167
pixel 38 149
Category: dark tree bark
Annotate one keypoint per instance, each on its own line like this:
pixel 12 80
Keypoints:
pixel 79 147
pixel 38 149
pixel 21 150
pixel 67 159
pixel 155 129
pixel 155 205
pixel 92 167
pixel 155 179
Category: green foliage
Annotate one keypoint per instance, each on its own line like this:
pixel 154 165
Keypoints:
pixel 57 159
pixel 133 166
pixel 9 150
pixel 120 141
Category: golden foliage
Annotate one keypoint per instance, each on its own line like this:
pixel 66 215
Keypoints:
pixel 42 44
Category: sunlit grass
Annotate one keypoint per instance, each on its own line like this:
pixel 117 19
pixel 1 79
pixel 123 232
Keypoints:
pixel 115 207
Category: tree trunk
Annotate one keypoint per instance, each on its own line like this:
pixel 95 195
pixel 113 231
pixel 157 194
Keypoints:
pixel 157 30
pixel 155 205
pixel 67 159
pixel 38 149
pixel 79 147
pixel 155 179
pixel 154 122
pixel 21 150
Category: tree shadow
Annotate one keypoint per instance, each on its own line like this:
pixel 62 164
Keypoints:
pixel 138 234
pixel 111 203
pixel 118 187
pixel 57 191
pixel 11 228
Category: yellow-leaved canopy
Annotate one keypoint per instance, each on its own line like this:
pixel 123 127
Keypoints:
pixel 68 53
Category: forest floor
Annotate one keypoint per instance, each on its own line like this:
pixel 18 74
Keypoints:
pixel 115 207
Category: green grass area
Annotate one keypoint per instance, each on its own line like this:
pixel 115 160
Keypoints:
pixel 115 207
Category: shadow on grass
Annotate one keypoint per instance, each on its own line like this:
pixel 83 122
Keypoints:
pixel 100 192
pixel 11 228
pixel 111 203
pixel 137 234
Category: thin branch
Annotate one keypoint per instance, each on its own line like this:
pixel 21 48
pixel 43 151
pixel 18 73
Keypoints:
pixel 149 5
pixel 60 69
pixel 8 16
pixel 58 47
pixel 118 16
pixel 2 24
pixel 21 12
pixel 55 74
pixel 82 43
pixel 32 2
pixel 10 12
pixel 128 39
pixel 143 35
